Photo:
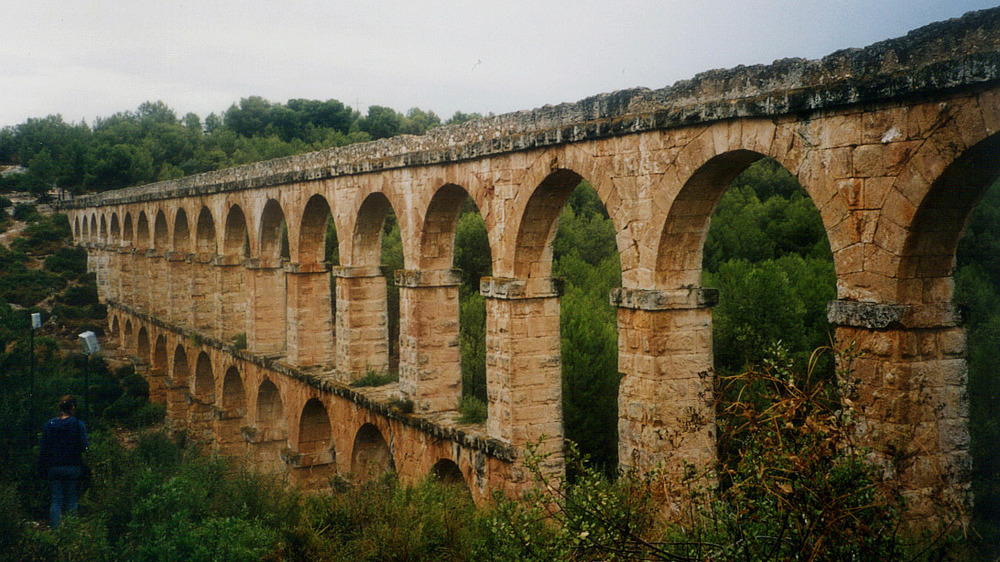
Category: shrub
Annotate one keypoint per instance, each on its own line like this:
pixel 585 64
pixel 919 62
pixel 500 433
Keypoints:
pixel 373 378
pixel 471 410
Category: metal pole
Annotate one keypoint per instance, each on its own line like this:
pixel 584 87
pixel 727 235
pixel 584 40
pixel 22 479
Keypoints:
pixel 31 364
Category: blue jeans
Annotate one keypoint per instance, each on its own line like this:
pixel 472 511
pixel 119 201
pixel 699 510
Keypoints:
pixel 64 495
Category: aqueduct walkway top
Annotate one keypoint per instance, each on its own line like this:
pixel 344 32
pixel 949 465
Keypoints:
pixel 894 143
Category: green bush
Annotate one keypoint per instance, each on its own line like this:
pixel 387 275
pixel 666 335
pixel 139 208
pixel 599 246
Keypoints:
pixel 471 410
pixel 373 378
pixel 69 262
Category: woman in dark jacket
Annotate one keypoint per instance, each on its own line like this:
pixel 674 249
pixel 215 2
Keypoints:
pixel 64 438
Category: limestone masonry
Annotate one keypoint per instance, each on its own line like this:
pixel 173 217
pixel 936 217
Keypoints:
pixel 894 143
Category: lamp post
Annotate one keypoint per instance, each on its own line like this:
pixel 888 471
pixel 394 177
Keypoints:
pixel 89 344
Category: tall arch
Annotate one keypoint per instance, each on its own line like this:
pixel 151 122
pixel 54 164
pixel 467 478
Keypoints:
pixel 267 305
pixel 77 232
pixel 271 437
pixel 315 432
pixel 116 332
pixel 310 289
pixel 537 226
pixel 103 235
pixel 142 238
pixel 205 239
pixel 159 366
pixel 142 345
pixel 161 233
pixel 237 239
pixel 182 233
pixel 927 261
pixel 204 379
pixel 127 335
pixel 128 233
pixel 85 230
pixel 233 403
pixel 116 231
pixel 273 236
pixel 180 370
pixel 312 231
pixel 371 456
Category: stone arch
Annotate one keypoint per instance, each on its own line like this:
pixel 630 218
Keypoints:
pixel 237 238
pixel 127 233
pixel 86 229
pixel 315 432
pixel 127 336
pixel 273 236
pixel 142 344
pixel 103 233
pixel 180 371
pixel 205 240
pixel 142 231
pixel 116 329
pixel 371 456
pixel 312 232
pixel 234 401
pixel 927 261
pixel 204 379
pixel 270 407
pixel 447 471
pixel 77 232
pixel 161 234
pixel 159 359
pixel 366 244
pixel 437 238
pixel 182 232
pixel 682 241
pixel 93 227
pixel 537 227
pixel 116 231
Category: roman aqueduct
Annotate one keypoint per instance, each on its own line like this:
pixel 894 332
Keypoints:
pixel 894 143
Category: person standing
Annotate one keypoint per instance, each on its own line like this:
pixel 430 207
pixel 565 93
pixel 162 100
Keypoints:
pixel 64 439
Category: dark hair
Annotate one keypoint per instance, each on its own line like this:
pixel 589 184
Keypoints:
pixel 67 404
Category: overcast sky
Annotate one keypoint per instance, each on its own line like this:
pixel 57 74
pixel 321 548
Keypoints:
pixel 85 59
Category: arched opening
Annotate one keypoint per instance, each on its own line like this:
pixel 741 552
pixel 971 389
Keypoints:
pixel 103 236
pixel 142 232
pixel 127 233
pixel 93 227
pixel 273 232
pixel 204 380
pixel 86 229
pixel 270 411
pixel 205 244
pixel 315 435
pixel 161 235
pixel 77 233
pixel 158 370
pixel 233 412
pixel 447 472
pixel 182 233
pixel 312 305
pixel 233 395
pixel 142 345
pixel 237 237
pixel 116 233
pixel 744 225
pixel 181 371
pixel 377 241
pixel 116 330
pixel 371 457
pixel 566 232
pixel 955 238
pixel 454 236
pixel 127 337
pixel 203 285
pixel 268 305
pixel 233 277
pixel 271 436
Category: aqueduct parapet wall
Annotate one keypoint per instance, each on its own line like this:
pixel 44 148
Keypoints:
pixel 894 143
